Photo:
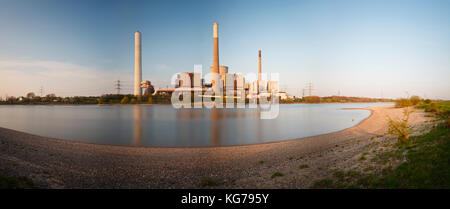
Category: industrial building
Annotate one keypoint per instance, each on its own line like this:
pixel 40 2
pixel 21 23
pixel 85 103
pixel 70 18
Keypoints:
pixel 221 79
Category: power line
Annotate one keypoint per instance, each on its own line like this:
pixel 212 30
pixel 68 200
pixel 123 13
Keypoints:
pixel 118 86
pixel 41 90
pixel 309 88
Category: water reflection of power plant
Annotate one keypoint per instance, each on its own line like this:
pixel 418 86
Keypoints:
pixel 213 130
pixel 137 126
pixel 230 83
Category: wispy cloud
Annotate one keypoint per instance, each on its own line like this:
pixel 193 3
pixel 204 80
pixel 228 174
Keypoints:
pixel 17 77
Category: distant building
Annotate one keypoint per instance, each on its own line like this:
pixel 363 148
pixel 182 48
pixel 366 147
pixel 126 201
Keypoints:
pixel 223 71
pixel 282 95
pixel 148 88
pixel 193 77
pixel 272 86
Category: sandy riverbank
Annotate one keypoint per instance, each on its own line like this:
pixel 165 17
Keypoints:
pixel 57 163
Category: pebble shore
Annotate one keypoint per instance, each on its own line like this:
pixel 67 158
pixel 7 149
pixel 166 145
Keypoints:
pixel 59 163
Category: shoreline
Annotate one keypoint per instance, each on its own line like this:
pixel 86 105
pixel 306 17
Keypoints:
pixel 56 163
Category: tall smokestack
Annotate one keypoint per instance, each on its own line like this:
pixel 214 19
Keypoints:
pixel 215 67
pixel 137 64
pixel 259 68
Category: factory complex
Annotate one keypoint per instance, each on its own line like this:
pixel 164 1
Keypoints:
pixel 219 83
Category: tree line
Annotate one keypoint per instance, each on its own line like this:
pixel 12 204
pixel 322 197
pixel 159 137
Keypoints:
pixel 332 99
pixel 32 99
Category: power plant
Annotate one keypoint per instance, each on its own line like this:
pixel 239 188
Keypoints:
pixel 221 79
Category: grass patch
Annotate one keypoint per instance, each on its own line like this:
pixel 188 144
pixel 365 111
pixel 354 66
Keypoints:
pixel 369 168
pixel 303 166
pixel 20 182
pixel 353 174
pixel 342 180
pixel 261 162
pixel 324 183
pixel 340 175
pixel 439 109
pixel 276 174
pixel 427 166
pixel 385 157
pixel 208 182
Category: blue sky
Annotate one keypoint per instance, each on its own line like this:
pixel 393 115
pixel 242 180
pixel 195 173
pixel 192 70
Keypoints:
pixel 356 48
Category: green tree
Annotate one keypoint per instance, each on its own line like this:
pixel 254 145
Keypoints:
pixel 415 100
pixel 133 101
pixel 30 95
pixel 36 99
pixel 312 99
pixel 432 108
pixel 402 102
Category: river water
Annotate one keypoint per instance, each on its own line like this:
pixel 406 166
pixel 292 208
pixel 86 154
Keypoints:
pixel 164 126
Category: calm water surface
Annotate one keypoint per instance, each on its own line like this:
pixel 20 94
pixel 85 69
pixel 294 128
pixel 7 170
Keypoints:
pixel 162 125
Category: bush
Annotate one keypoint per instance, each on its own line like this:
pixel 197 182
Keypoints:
pixel 125 100
pixel 415 100
pixel 20 182
pixel 150 100
pixel 304 166
pixel 208 182
pixel 402 102
pixel 276 174
pixel 399 127
pixel 431 108
pixel 312 99
pixel 133 101
pixel 427 101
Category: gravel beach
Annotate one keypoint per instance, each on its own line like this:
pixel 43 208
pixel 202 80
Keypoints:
pixel 59 163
